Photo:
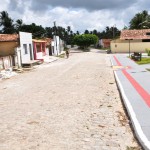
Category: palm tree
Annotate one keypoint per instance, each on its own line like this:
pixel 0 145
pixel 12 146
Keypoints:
pixel 7 23
pixel 86 32
pixel 140 20
pixel 18 25
pixel 68 29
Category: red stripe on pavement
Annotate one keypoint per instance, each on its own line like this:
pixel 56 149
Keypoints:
pixel 144 94
pixel 118 63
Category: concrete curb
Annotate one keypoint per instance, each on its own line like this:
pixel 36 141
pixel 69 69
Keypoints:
pixel 135 123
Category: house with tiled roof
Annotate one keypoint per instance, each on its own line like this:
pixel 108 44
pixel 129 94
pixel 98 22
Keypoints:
pixel 7 44
pixel 131 40
pixel 15 49
pixel 39 49
pixel 104 43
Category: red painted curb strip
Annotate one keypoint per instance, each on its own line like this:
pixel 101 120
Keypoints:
pixel 144 94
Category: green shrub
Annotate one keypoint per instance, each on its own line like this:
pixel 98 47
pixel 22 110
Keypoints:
pixel 85 40
pixel 147 51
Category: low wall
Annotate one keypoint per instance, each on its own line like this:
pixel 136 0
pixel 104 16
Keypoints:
pixel 117 47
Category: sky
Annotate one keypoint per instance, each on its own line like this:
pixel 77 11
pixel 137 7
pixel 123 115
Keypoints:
pixel 79 14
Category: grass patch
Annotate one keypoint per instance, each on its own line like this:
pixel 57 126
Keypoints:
pixel 61 55
pixel 103 48
pixel 143 61
pixel 148 69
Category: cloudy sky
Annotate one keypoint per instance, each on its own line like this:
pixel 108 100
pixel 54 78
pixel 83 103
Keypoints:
pixel 79 14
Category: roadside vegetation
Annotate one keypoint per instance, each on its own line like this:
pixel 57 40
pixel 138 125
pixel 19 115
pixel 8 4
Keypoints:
pixel 144 60
pixel 85 40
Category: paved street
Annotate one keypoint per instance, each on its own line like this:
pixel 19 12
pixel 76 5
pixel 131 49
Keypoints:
pixel 70 104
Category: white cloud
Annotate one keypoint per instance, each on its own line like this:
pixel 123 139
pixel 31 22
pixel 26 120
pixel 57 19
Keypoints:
pixel 77 15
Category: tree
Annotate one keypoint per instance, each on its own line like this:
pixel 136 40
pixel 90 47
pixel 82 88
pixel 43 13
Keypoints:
pixel 18 25
pixel 95 31
pixel 77 33
pixel 86 32
pixel 6 23
pixel 37 30
pixel 85 40
pixel 68 29
pixel 140 20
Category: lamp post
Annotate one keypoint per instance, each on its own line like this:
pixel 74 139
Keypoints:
pixel 114 26
pixel 129 48
pixel 129 40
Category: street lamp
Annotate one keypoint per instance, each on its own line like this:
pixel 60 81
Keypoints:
pixel 114 26
pixel 129 45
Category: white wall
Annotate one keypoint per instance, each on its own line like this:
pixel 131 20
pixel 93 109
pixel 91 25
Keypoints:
pixel 57 44
pixel 26 38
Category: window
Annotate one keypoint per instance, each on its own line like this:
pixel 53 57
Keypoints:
pixel 148 33
pixel 25 48
pixel 38 48
pixel 30 50
pixel 146 40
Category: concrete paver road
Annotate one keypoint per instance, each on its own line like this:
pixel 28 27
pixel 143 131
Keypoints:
pixel 70 104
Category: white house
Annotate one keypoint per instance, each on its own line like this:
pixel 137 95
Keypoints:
pixel 57 46
pixel 26 47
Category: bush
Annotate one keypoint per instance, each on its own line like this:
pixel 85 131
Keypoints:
pixel 147 51
pixel 85 40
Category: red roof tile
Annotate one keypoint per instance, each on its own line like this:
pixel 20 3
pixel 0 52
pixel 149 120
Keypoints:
pixel 38 41
pixel 106 40
pixel 135 34
pixel 48 41
pixel 8 37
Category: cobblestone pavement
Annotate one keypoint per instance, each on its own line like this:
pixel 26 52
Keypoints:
pixel 70 104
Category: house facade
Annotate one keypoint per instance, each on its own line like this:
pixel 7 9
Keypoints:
pixel 104 43
pixel 39 49
pixel 8 43
pixel 26 47
pixel 15 49
pixel 131 40
pixel 57 46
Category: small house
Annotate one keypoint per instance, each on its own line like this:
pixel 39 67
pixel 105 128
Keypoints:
pixel 15 49
pixel 131 40
pixel 39 49
pixel 104 43
pixel 8 43
pixel 57 46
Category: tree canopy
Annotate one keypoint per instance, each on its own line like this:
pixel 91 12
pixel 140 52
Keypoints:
pixel 140 21
pixel 6 23
pixel 85 40
pixel 9 26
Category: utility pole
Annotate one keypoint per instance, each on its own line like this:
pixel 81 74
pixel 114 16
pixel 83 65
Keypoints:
pixel 55 36
pixel 114 31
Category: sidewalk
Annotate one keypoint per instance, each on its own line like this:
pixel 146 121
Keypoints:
pixel 134 84
pixel 49 59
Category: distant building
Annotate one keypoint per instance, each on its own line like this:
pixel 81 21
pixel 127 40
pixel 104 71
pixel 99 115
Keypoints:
pixel 104 43
pixel 57 46
pixel 15 49
pixel 133 40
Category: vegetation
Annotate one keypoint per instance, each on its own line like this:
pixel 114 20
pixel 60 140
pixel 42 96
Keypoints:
pixel 85 40
pixel 143 61
pixel 9 26
pixel 6 23
pixel 140 21
pixel 147 51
